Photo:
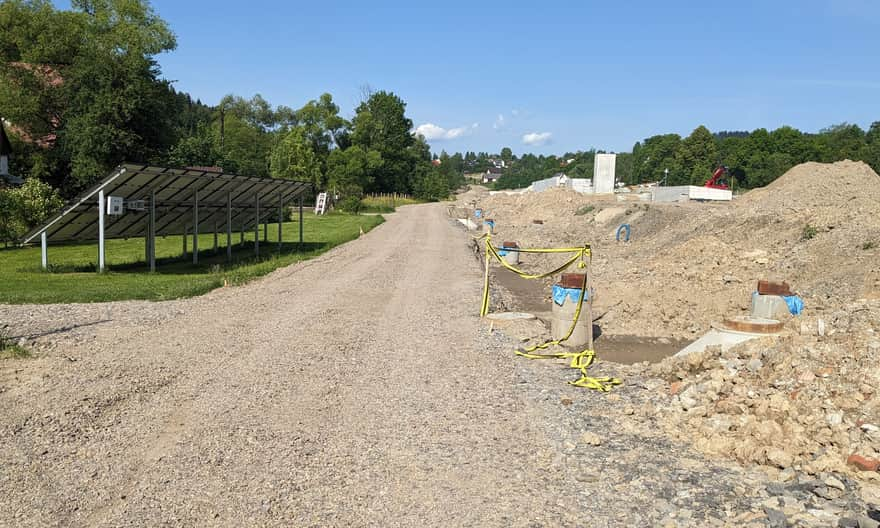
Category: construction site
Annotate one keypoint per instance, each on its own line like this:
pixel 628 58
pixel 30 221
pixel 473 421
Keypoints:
pixel 794 392
pixel 707 363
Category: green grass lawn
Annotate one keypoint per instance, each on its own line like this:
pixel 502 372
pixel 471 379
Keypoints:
pixel 72 276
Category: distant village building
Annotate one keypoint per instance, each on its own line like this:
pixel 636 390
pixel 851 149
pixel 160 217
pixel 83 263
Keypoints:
pixel 491 175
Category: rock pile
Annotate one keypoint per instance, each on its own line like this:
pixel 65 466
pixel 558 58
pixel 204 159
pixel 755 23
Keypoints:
pixel 806 401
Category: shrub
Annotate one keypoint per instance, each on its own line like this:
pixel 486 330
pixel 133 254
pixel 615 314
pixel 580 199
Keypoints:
pixel 350 204
pixel 584 210
pixel 809 232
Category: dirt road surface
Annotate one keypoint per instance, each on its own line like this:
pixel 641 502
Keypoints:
pixel 355 389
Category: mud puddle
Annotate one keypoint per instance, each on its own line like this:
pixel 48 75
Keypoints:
pixel 635 349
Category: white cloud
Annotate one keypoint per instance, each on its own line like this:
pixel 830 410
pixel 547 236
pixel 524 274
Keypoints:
pixel 438 133
pixel 514 112
pixel 535 139
pixel 499 122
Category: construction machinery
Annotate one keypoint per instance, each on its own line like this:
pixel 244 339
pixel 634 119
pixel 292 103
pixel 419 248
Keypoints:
pixel 720 179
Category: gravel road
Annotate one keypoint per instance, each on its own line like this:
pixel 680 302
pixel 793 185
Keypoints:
pixel 355 389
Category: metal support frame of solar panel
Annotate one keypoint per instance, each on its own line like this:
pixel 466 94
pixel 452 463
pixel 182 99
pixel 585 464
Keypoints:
pixel 178 193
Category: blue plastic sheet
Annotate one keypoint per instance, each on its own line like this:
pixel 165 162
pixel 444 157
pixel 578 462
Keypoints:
pixel 560 293
pixel 503 251
pixel 795 304
pixel 478 213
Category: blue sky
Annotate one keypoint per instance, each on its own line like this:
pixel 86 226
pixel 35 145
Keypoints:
pixel 545 76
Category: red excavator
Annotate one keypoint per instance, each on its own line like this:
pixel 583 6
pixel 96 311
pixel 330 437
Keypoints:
pixel 719 179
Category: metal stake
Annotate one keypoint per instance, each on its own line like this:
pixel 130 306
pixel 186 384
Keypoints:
pixel 44 255
pixel 228 227
pixel 257 226
pixel 280 219
pixel 101 231
pixel 300 222
pixel 196 227
pixel 153 231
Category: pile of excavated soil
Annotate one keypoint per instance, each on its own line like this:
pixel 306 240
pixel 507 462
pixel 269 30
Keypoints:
pixel 691 264
pixel 817 185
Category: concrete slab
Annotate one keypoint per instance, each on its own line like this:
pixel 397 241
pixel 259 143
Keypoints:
pixel 719 336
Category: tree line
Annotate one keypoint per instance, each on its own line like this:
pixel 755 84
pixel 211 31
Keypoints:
pixel 81 91
pixel 754 159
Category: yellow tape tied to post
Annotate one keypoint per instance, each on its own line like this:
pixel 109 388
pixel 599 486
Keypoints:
pixel 579 360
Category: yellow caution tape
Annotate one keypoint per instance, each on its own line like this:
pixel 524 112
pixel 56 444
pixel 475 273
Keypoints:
pixel 579 360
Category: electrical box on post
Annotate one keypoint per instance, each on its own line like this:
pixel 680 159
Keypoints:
pixel 114 205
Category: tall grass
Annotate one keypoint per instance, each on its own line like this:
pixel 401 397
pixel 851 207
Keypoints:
pixel 386 203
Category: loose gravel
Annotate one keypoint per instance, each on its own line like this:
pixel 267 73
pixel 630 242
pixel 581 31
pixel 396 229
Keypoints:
pixel 357 389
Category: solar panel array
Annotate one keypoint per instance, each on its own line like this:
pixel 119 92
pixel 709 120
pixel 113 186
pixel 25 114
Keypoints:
pixel 176 193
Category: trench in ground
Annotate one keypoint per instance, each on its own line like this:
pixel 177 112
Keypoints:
pixel 532 296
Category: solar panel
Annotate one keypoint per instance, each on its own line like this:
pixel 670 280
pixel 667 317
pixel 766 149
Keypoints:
pixel 178 193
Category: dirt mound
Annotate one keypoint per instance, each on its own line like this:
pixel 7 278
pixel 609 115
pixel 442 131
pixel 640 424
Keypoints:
pixel 842 184
pixel 691 264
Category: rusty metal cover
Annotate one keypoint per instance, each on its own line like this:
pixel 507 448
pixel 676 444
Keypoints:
pixel 753 325
pixel 539 222
pixel 573 280
pixel 509 245
pixel 766 287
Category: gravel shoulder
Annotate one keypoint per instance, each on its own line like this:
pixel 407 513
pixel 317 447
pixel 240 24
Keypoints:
pixel 358 388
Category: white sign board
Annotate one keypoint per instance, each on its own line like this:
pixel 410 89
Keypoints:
pixel 114 205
